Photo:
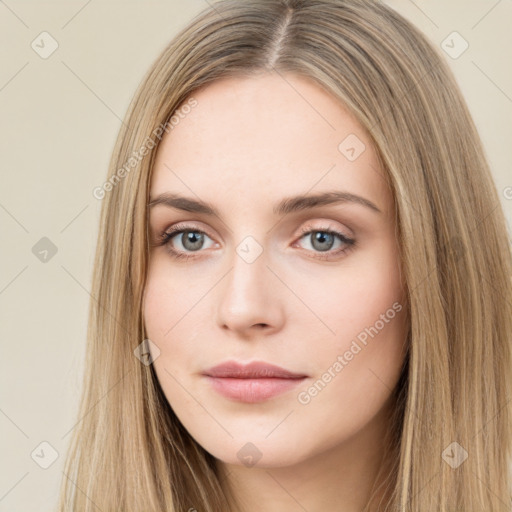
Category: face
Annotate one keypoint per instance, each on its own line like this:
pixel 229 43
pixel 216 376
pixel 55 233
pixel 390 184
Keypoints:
pixel 310 286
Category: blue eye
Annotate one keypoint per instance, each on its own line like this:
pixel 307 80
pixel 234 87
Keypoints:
pixel 322 240
pixel 192 240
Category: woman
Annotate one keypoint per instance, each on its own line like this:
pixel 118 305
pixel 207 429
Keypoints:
pixel 342 338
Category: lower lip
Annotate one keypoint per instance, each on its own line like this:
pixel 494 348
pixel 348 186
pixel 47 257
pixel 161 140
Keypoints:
pixel 252 390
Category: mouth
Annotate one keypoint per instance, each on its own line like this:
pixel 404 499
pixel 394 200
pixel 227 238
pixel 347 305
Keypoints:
pixel 253 382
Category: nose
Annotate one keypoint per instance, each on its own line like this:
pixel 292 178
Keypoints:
pixel 250 298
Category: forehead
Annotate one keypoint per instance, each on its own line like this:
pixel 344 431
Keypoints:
pixel 253 140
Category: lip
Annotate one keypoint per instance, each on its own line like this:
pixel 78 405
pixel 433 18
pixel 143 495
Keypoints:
pixel 253 370
pixel 253 382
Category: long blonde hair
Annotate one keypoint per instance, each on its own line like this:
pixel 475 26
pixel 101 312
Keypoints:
pixel 129 452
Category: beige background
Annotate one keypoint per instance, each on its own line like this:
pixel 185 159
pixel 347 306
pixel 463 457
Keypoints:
pixel 59 118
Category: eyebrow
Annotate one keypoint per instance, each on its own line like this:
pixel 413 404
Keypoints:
pixel 284 207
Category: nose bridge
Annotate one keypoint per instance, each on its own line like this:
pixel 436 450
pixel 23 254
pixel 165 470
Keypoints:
pixel 248 296
pixel 248 274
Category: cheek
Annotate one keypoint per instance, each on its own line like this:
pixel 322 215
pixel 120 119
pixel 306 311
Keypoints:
pixel 163 309
pixel 358 370
pixel 378 326
pixel 168 298
pixel 157 313
pixel 162 312
pixel 172 307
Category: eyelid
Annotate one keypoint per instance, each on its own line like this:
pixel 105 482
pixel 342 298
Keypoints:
pixel 182 226
pixel 325 225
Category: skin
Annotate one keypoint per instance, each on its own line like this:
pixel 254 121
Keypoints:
pixel 249 143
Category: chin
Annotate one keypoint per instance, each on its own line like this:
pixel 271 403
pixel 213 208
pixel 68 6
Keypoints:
pixel 256 451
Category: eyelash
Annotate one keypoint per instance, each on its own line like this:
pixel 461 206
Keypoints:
pixel 165 238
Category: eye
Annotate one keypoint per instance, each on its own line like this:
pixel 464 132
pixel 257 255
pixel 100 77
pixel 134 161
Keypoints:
pixel 192 240
pixel 323 239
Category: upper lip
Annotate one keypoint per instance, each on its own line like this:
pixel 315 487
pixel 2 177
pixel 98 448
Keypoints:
pixel 253 370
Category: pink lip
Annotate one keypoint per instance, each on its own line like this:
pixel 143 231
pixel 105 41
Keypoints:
pixel 253 382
